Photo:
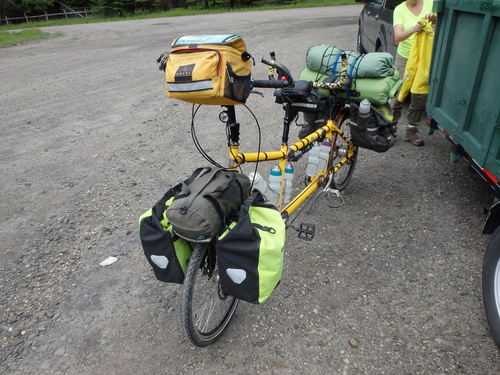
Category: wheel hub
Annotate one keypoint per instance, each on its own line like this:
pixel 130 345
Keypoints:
pixel 342 151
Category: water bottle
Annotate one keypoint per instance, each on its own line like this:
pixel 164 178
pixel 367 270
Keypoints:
pixel 313 160
pixel 288 183
pixel 364 114
pixel 260 184
pixel 324 153
pixel 275 182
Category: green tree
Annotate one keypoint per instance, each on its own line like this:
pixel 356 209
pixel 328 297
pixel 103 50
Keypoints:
pixel 114 7
pixel 36 6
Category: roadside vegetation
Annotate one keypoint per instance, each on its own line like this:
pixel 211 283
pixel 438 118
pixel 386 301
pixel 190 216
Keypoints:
pixel 8 38
pixel 113 12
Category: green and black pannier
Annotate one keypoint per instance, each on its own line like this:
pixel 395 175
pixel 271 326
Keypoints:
pixel 205 201
pixel 379 134
pixel 167 253
pixel 250 251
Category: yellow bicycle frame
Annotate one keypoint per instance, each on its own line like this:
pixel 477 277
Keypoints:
pixel 328 131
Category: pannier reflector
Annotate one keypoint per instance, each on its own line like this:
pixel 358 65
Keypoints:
pixel 160 260
pixel 236 274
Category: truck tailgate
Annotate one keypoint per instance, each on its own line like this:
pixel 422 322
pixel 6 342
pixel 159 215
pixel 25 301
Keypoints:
pixel 465 78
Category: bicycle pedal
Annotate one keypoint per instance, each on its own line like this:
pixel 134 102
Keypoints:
pixel 306 231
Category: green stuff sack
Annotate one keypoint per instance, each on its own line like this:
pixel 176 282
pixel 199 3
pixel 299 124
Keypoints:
pixel 167 254
pixel 376 90
pixel 250 251
pixel 326 59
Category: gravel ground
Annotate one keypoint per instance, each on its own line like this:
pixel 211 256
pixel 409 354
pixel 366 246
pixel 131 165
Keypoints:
pixel 390 285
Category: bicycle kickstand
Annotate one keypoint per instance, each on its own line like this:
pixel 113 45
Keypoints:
pixel 333 197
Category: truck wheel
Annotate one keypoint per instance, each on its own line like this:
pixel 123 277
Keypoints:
pixel 491 285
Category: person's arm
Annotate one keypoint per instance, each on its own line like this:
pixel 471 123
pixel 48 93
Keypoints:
pixel 398 21
pixel 400 35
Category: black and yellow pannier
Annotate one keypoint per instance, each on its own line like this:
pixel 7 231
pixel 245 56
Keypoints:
pixel 209 69
pixel 167 253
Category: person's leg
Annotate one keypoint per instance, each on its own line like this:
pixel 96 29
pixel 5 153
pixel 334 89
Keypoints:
pixel 415 114
pixel 397 106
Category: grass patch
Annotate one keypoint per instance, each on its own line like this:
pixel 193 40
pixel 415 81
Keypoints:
pixel 8 38
pixel 176 13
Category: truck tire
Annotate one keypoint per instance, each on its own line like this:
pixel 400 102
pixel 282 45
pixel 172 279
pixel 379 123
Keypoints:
pixel 491 285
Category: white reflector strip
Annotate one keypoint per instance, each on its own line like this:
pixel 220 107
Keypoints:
pixel 160 260
pixel 236 274
pixel 189 86
pixel 305 105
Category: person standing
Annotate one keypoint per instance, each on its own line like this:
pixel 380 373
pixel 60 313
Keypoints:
pixel 406 16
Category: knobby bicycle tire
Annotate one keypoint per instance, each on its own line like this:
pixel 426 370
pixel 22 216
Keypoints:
pixel 201 297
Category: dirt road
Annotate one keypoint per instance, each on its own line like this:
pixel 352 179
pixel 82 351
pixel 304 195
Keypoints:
pixel 88 142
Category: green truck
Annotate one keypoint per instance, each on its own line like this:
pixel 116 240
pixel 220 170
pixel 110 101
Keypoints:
pixel 464 105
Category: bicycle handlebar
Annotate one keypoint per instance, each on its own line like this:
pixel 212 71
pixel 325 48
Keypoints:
pixel 282 70
pixel 270 83
pixel 340 83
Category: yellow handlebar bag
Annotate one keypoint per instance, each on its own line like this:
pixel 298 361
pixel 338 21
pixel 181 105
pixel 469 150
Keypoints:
pixel 209 69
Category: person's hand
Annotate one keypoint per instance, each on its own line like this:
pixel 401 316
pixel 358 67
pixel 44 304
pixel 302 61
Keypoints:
pixel 416 28
pixel 431 18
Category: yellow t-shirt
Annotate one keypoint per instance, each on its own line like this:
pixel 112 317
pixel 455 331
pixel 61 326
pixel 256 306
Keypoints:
pixel 403 16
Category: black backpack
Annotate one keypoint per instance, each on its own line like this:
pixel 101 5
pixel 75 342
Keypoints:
pixel 206 200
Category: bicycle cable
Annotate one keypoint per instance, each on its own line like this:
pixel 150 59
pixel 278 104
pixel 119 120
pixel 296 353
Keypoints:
pixel 258 144
pixel 195 139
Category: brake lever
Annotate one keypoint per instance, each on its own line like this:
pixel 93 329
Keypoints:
pixel 257 93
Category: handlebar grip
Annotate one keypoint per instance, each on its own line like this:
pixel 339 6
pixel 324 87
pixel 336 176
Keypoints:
pixel 270 84
pixel 267 61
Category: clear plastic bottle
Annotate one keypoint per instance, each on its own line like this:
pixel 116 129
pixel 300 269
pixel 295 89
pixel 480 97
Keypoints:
pixel 313 160
pixel 324 153
pixel 275 182
pixel 363 114
pixel 260 184
pixel 288 183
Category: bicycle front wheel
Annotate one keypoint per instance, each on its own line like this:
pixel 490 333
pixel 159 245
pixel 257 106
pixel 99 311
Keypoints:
pixel 205 310
pixel 339 151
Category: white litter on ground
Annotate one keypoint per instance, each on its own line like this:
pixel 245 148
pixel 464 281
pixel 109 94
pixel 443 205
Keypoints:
pixel 108 261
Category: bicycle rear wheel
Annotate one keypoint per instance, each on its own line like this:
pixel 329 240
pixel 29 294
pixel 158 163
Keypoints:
pixel 205 310
pixel 339 150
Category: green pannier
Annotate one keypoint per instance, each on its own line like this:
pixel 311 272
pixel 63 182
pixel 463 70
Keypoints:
pixel 250 251
pixel 206 200
pixel 377 90
pixel 167 254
